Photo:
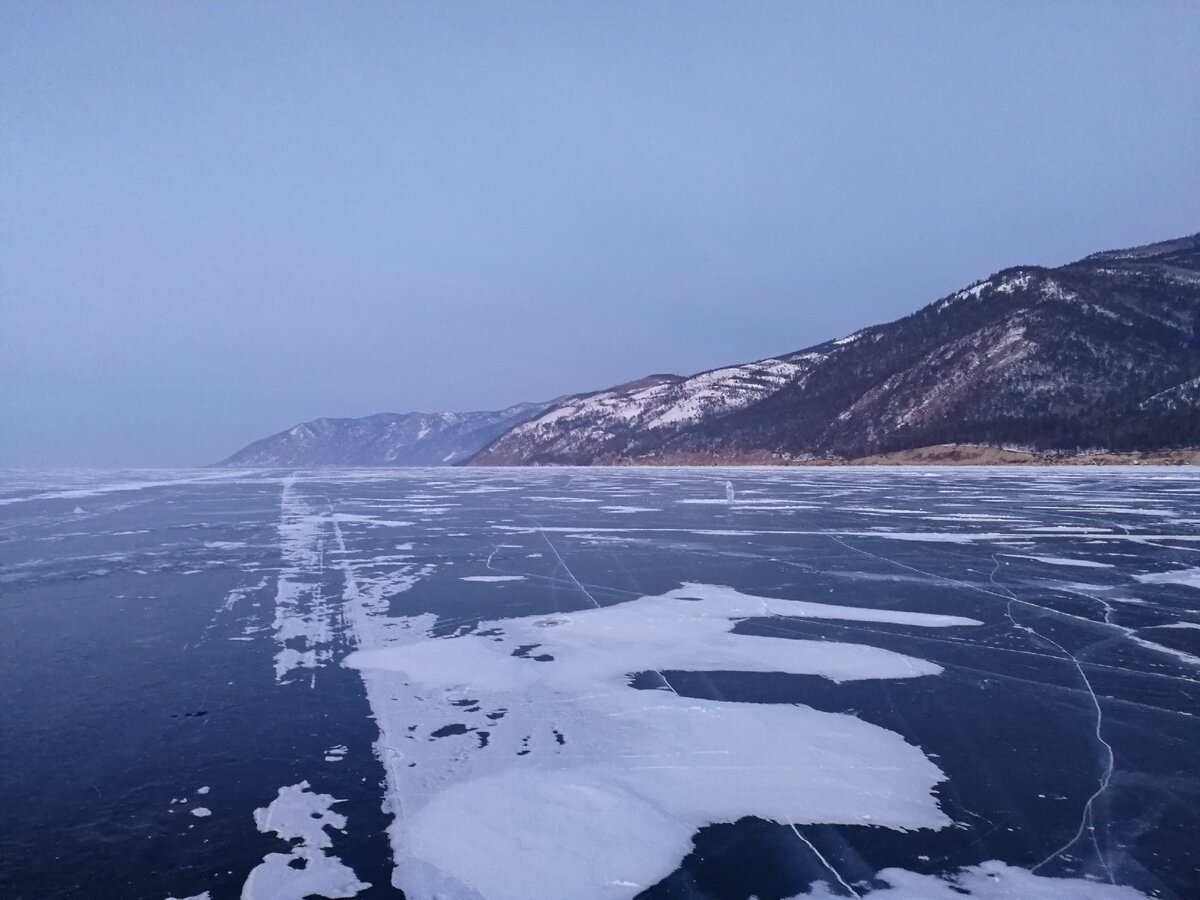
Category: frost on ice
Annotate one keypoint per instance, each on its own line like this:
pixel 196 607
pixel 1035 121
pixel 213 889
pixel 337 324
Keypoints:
pixel 535 770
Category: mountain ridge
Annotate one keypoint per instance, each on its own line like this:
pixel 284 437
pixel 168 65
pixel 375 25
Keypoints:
pixel 383 439
pixel 1060 357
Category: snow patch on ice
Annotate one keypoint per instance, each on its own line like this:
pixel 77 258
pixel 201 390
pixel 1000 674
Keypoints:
pixel 1188 577
pixel 992 880
pixel 373 520
pixel 1063 561
pixel 297 814
pixel 938 537
pixel 585 787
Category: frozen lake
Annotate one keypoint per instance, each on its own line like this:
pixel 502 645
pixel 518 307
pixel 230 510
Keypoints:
pixel 598 683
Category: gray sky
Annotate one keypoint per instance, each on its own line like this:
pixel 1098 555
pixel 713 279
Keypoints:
pixel 217 220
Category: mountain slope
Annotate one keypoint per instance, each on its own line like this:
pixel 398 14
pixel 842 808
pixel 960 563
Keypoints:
pixel 605 424
pixel 384 439
pixel 1102 352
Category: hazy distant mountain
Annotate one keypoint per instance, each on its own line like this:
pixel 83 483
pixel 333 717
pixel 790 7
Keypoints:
pixel 384 439
pixel 1100 353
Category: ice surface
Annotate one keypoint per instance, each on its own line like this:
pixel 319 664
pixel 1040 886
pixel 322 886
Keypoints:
pixel 521 760
pixel 526 737
pixel 116 486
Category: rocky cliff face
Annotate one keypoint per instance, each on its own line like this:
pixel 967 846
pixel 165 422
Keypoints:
pixel 384 439
pixel 1100 353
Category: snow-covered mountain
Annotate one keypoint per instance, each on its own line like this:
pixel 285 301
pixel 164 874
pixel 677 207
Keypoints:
pixel 600 427
pixel 384 439
pixel 1103 352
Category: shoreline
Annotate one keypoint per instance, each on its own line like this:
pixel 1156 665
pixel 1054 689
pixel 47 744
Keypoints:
pixel 936 455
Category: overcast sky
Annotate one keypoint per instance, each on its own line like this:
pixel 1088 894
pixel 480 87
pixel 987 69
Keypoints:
pixel 218 220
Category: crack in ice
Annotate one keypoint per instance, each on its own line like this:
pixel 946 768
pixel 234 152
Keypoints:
pixel 1087 819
